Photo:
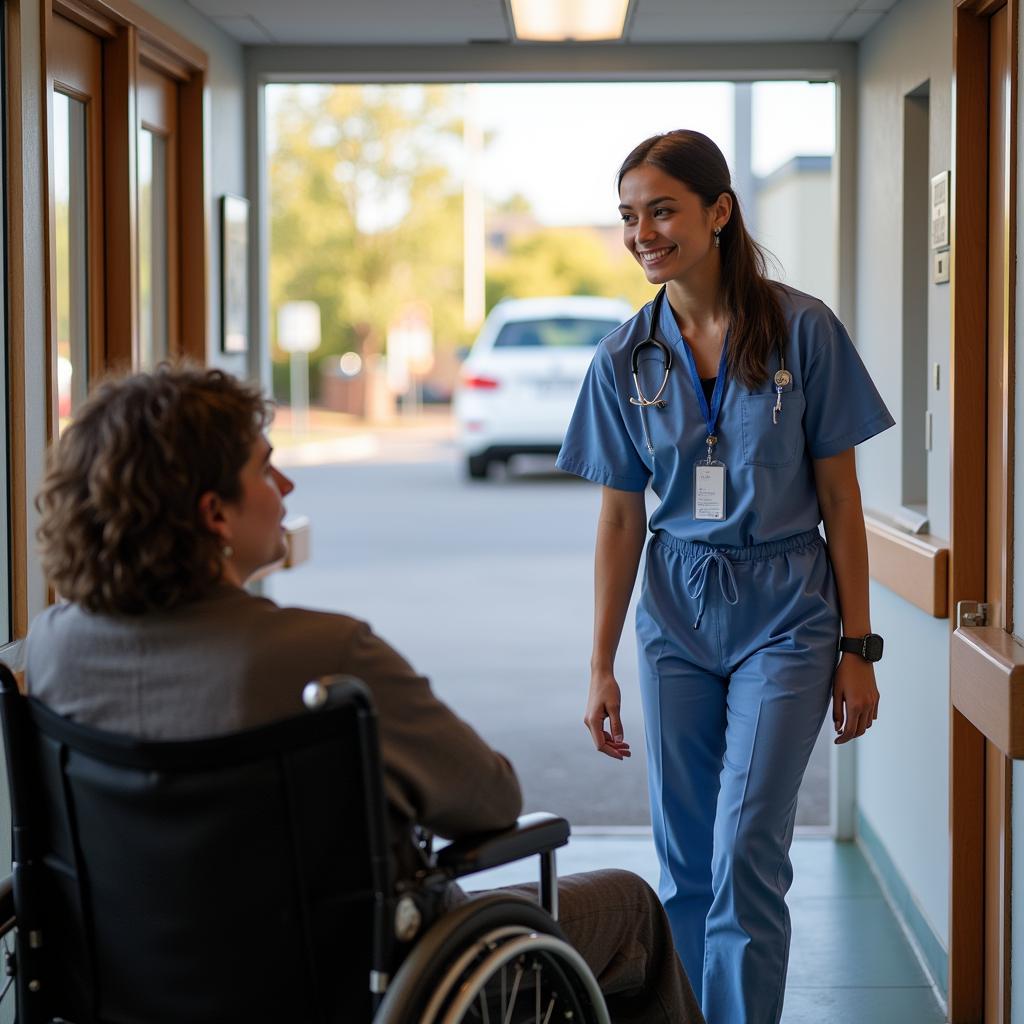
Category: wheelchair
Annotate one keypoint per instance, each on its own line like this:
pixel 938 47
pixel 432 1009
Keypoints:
pixel 248 878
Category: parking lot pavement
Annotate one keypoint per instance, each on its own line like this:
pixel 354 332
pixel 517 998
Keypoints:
pixel 331 438
pixel 486 587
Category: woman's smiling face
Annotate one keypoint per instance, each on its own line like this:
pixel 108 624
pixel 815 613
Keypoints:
pixel 665 225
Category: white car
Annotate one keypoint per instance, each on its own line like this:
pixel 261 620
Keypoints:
pixel 519 383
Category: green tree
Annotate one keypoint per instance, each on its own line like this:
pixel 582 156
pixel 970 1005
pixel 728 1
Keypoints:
pixel 564 261
pixel 366 213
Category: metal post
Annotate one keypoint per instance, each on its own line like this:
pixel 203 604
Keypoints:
pixel 473 230
pixel 549 883
pixel 300 392
pixel 743 173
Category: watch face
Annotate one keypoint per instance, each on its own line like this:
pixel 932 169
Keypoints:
pixel 873 647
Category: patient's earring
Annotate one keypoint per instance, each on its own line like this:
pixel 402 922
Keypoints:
pixel 718 237
pixel 227 550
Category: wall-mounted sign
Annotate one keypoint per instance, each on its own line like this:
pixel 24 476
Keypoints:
pixel 940 211
pixel 298 326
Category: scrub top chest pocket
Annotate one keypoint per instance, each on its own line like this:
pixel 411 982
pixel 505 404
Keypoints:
pixel 769 444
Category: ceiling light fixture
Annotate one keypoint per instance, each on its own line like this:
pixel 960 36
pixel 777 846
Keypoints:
pixel 552 21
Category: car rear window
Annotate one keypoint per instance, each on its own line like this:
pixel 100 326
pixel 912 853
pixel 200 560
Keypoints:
pixel 554 332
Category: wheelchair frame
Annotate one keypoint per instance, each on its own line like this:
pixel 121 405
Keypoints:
pixel 394 1001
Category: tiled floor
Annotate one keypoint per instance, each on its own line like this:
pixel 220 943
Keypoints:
pixel 849 962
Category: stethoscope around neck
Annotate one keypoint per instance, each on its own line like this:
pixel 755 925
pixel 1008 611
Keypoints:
pixel 782 379
pixel 666 357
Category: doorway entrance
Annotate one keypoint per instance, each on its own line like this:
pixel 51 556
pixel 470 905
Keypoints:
pixel 488 587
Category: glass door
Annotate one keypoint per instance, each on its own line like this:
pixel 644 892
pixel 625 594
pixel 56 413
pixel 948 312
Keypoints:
pixel 77 197
pixel 158 228
pixel 70 176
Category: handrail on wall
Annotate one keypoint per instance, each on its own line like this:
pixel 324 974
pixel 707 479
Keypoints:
pixel 915 566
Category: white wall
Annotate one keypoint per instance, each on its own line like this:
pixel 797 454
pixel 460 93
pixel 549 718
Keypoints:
pixel 902 765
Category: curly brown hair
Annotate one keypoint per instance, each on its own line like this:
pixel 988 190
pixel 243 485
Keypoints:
pixel 120 529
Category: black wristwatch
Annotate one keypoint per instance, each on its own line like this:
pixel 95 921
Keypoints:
pixel 868 647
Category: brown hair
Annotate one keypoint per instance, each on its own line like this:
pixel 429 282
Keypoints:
pixel 758 324
pixel 120 528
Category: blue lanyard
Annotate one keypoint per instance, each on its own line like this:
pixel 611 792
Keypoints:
pixel 710 415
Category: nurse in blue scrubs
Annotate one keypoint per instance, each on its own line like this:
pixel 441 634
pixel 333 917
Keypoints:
pixel 739 400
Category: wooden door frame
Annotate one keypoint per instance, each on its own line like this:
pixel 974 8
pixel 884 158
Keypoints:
pixel 26 178
pixel 14 214
pixel 131 34
pixel 968 486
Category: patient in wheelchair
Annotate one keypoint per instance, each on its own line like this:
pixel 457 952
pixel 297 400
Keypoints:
pixel 160 501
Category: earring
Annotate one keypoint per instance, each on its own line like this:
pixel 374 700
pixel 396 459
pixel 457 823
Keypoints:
pixel 227 550
pixel 718 237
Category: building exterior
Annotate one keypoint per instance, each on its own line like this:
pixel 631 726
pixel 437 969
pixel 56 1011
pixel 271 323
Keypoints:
pixel 794 222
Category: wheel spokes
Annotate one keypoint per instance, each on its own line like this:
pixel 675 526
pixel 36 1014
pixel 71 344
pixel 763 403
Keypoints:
pixel 512 997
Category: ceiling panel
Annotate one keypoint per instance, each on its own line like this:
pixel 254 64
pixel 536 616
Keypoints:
pixel 372 22
pixel 756 26
pixel 725 10
pixel 858 25
pixel 245 29
pixel 440 22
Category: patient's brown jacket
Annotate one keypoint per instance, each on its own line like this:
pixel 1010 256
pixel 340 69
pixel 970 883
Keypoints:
pixel 231 661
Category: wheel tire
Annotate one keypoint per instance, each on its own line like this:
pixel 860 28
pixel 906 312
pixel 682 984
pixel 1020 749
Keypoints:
pixel 476 467
pixel 415 981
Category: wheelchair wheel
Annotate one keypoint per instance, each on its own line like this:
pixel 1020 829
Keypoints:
pixel 498 959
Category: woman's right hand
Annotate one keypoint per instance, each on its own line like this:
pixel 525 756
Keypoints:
pixel 603 705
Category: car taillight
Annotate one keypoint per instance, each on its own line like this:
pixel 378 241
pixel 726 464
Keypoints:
pixel 480 383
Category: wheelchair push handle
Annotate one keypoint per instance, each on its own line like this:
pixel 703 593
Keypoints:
pixel 321 694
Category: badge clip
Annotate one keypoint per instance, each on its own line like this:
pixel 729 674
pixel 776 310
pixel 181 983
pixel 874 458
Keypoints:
pixel 782 380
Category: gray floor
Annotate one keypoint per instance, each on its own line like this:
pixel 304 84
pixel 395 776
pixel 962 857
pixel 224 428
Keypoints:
pixel 849 962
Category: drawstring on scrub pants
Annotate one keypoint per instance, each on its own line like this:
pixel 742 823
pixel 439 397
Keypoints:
pixel 698 578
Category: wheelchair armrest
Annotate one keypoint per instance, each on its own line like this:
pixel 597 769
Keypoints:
pixel 7 920
pixel 532 834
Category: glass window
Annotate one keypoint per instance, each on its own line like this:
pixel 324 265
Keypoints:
pixel 152 249
pixel 71 253
pixel 561 332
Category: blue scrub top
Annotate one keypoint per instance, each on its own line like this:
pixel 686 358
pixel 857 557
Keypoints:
pixel 830 406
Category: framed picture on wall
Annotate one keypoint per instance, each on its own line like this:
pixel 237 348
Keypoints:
pixel 234 273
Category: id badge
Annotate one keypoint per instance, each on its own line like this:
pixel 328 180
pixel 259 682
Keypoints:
pixel 709 490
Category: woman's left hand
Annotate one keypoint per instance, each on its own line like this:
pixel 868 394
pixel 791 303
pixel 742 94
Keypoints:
pixel 854 698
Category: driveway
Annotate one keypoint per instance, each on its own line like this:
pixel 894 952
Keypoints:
pixel 485 587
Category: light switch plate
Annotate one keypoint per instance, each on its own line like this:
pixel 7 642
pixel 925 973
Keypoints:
pixel 940 266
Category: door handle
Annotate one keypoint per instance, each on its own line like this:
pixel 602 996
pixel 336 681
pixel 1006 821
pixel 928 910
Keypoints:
pixel 972 613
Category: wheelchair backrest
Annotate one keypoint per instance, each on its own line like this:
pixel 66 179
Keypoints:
pixel 238 878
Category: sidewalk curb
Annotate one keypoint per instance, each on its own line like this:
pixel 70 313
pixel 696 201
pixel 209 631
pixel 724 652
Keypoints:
pixel 352 448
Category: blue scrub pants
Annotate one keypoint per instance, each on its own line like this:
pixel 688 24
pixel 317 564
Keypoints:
pixel 737 652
